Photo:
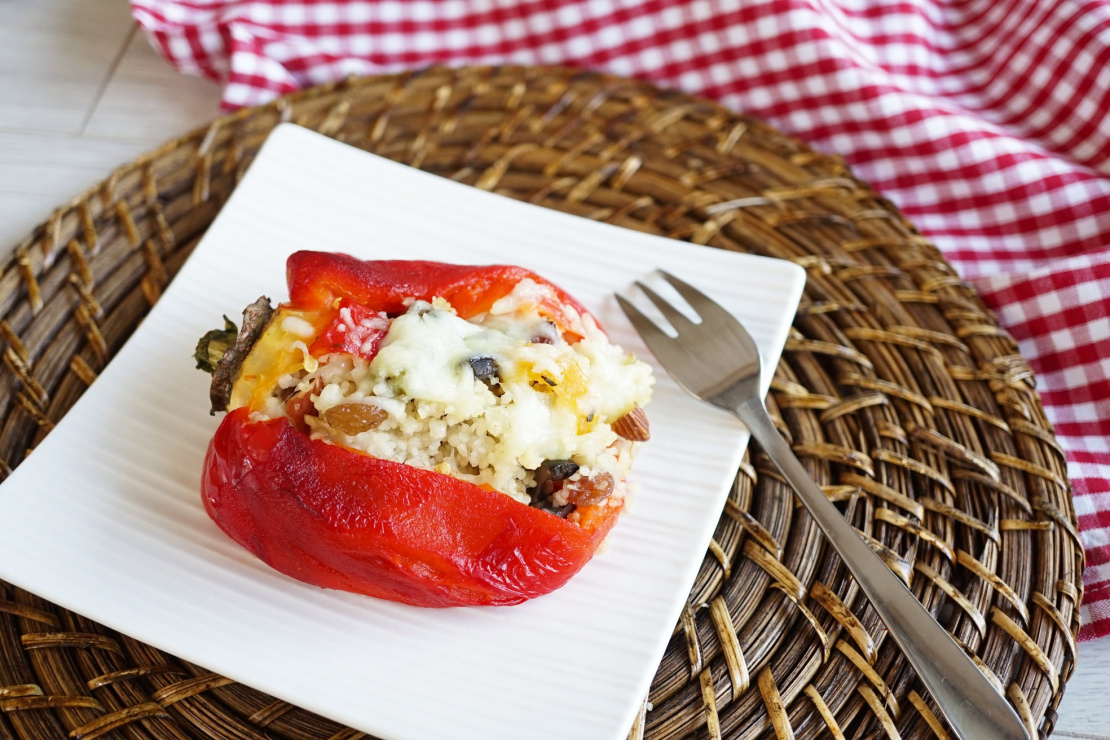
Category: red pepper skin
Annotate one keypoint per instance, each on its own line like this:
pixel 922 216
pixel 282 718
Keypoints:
pixel 340 519
pixel 318 279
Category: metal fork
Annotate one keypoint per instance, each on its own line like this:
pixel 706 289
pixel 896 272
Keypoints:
pixel 717 361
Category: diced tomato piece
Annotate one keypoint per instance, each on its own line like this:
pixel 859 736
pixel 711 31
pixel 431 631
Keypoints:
pixel 356 330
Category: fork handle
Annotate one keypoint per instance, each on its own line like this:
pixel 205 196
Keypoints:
pixel 971 704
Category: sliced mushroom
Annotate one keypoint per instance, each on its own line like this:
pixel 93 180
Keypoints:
pixel 255 318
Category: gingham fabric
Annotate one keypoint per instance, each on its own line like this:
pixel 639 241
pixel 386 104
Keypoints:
pixel 986 121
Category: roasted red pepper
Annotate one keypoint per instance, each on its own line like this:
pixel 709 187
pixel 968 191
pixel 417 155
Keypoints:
pixel 337 518
pixel 317 280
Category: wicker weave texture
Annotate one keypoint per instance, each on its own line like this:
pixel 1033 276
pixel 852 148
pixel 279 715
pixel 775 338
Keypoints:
pixel 906 401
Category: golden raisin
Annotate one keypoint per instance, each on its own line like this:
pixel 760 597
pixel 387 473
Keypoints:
pixel 590 491
pixel 355 418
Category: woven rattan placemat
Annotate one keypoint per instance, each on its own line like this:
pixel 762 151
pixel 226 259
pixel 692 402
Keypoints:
pixel 907 402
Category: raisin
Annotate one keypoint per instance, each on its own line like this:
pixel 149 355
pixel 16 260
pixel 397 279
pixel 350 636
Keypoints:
pixel 590 491
pixel 299 405
pixel 355 418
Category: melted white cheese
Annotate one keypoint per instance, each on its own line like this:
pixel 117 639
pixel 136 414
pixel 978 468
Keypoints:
pixel 425 353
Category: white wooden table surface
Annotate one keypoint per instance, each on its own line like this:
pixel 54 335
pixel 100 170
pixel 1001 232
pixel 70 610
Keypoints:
pixel 81 92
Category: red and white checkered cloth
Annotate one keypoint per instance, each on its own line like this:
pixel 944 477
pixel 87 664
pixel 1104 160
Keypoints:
pixel 986 121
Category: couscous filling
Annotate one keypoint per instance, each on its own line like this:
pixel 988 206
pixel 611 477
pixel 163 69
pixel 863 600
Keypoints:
pixel 506 399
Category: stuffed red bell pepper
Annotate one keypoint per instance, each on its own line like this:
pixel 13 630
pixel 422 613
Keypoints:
pixel 427 433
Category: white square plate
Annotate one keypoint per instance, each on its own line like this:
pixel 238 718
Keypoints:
pixel 109 504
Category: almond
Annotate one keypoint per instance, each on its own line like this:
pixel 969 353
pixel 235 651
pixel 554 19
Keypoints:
pixel 633 425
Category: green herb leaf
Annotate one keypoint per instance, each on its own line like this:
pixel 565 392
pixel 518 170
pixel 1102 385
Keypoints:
pixel 212 346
